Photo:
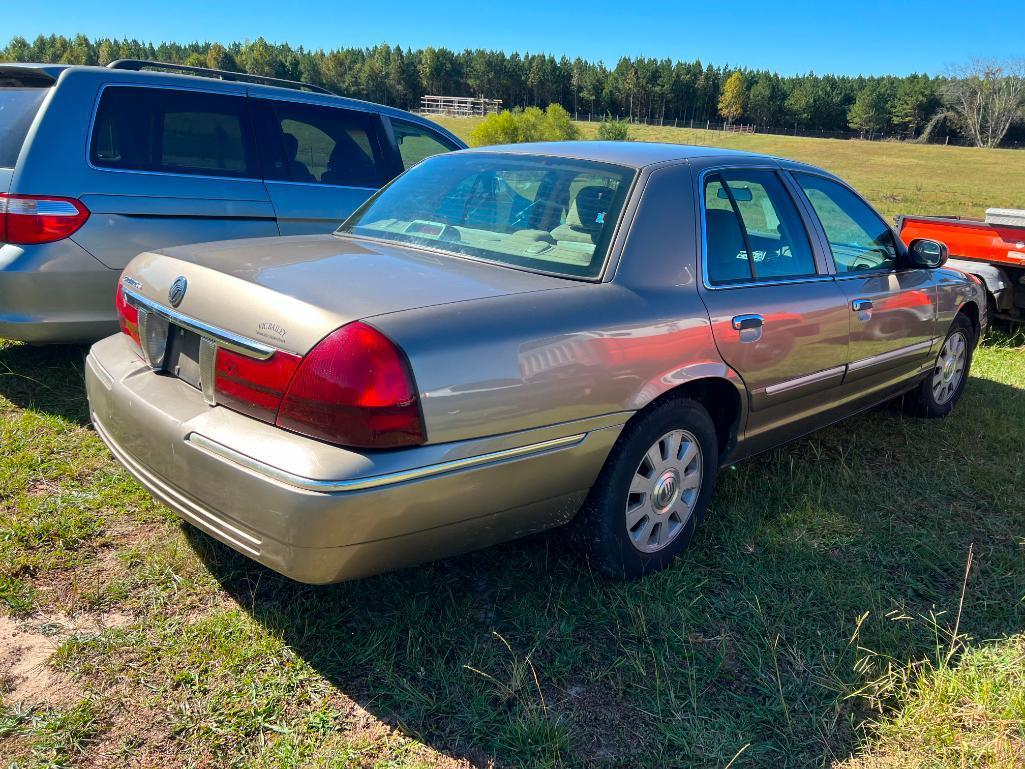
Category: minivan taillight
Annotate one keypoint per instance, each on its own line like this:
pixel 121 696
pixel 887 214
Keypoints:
pixel 127 315
pixel 31 219
pixel 354 389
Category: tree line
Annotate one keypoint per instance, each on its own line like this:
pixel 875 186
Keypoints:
pixel 642 89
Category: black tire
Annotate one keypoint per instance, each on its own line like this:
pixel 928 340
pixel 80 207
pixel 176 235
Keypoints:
pixel 934 397
pixel 600 530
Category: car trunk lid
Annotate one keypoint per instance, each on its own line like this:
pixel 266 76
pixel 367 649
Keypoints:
pixel 289 293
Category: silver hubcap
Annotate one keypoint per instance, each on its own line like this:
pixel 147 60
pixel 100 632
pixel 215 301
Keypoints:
pixel 663 491
pixel 950 366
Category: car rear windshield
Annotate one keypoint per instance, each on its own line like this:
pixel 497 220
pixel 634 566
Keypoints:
pixel 547 214
pixel 18 108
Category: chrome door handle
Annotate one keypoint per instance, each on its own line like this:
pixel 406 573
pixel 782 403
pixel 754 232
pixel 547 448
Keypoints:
pixel 861 305
pixel 744 322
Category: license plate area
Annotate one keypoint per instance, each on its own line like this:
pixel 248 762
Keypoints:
pixel 182 356
pixel 179 352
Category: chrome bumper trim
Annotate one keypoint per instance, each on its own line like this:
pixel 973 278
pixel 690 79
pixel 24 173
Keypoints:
pixel 221 451
pixel 227 339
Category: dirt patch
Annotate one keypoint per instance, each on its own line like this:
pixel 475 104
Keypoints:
pixel 26 647
pixel 604 728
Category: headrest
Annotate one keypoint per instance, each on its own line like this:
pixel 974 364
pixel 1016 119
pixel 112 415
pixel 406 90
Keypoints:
pixel 346 151
pixel 589 208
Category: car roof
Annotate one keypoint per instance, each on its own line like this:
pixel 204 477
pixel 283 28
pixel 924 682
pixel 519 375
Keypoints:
pixel 138 76
pixel 636 154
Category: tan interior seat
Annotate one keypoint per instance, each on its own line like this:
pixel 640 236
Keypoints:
pixel 586 216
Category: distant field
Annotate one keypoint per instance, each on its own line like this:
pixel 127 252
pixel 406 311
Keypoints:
pixel 898 178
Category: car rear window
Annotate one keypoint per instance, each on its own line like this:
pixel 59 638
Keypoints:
pixel 547 214
pixel 171 131
pixel 18 108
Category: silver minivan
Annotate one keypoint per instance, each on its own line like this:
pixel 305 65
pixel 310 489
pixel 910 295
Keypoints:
pixel 98 164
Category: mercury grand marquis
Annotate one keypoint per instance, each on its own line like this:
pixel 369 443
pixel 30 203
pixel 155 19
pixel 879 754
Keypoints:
pixel 511 339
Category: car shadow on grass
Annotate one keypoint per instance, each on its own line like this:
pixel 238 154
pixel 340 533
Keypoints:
pixel 49 379
pixel 521 655
pixel 850 545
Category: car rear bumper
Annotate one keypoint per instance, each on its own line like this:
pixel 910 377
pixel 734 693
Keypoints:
pixel 319 513
pixel 55 292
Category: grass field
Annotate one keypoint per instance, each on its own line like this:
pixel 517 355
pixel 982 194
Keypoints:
pixel 823 617
pixel 897 178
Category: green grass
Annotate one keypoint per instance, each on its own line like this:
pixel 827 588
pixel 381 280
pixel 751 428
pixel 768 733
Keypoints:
pixel 780 638
pixel 898 178
pixel 812 623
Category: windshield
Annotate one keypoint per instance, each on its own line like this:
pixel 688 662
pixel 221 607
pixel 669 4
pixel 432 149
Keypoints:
pixel 18 107
pixel 547 214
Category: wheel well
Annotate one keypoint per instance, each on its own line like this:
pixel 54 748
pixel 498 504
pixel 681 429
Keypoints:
pixel 720 398
pixel 971 311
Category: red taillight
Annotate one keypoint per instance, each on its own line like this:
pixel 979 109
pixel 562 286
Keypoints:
pixel 30 219
pixel 127 315
pixel 354 389
pixel 253 386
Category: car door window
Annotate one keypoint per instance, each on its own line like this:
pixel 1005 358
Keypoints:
pixel 753 231
pixel 322 145
pixel 859 239
pixel 417 142
pixel 184 132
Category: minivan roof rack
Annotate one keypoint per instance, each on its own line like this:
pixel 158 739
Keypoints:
pixel 222 74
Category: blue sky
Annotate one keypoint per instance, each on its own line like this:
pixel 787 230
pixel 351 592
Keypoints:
pixel 845 37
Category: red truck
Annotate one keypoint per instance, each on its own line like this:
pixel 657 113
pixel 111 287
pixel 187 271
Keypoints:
pixel 992 249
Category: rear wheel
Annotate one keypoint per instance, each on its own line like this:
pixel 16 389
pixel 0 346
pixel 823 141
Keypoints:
pixel 652 492
pixel 942 388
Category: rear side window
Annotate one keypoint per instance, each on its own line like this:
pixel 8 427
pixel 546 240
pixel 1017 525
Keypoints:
pixel 18 108
pixel 181 132
pixel 312 144
pixel 417 142
pixel 753 230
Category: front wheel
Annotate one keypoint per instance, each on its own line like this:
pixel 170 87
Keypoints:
pixel 652 491
pixel 942 388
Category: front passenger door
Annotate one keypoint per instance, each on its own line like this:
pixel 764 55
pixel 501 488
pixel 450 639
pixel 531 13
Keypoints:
pixel 892 307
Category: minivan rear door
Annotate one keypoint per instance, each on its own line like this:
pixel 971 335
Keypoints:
pixel 171 166
pixel 320 162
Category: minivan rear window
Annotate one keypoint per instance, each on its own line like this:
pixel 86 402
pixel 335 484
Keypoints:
pixel 18 108
pixel 172 131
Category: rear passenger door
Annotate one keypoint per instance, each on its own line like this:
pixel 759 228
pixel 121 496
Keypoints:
pixel 171 166
pixel 778 318
pixel 319 162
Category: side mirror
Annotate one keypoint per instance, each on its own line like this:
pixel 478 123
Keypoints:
pixel 927 254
